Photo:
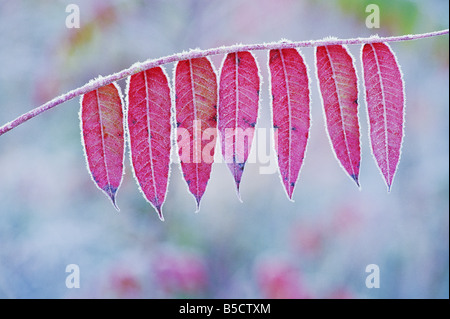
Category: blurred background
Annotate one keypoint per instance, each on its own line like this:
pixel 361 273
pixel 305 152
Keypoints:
pixel 52 214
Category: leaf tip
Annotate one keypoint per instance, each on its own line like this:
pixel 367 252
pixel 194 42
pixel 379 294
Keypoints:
pixel 238 192
pixel 159 211
pixel 197 201
pixel 389 188
pixel 290 191
pixel 290 194
pixel 356 179
pixel 115 205
pixel 239 197
pixel 111 192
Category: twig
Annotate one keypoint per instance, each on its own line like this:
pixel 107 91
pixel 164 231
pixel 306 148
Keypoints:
pixel 138 67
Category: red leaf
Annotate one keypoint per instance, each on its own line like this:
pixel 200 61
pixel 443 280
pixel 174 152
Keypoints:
pixel 238 109
pixel 291 119
pixel 196 115
pixel 339 88
pixel 149 127
pixel 385 103
pixel 102 128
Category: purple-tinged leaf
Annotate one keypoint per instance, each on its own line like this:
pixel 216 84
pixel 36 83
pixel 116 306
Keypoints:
pixel 291 114
pixel 149 128
pixel 196 116
pixel 385 105
pixel 339 88
pixel 238 109
pixel 101 118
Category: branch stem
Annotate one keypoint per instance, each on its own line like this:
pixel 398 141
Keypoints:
pixel 138 67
